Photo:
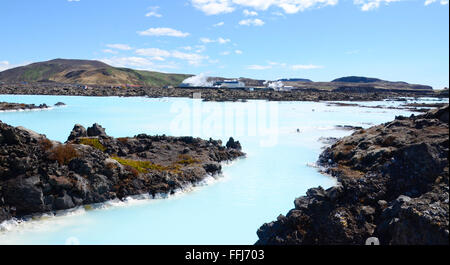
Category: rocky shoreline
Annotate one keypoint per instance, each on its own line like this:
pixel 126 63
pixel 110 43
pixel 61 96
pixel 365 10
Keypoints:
pixel 212 94
pixel 413 107
pixel 39 175
pixel 392 185
pixel 6 106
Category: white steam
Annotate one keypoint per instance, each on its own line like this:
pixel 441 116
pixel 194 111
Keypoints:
pixel 200 80
pixel 277 85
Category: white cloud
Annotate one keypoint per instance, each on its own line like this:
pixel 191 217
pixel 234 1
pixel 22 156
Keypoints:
pixel 222 40
pixel 123 47
pixel 153 52
pixel 259 4
pixel 4 65
pixel 367 5
pixel 137 63
pixel 271 65
pixel 288 6
pixel 213 7
pixel 278 64
pixel 229 52
pixel 219 40
pixel 249 13
pixel 443 2
pixel 153 12
pixel 163 32
pixel 109 51
pixel 259 67
pixel 251 22
pixel 278 14
pixel 192 58
pixel 73 0
pixel 206 40
pixel 157 54
pixel 200 48
pixel 220 24
pixel 158 58
pixel 305 66
pixel 128 61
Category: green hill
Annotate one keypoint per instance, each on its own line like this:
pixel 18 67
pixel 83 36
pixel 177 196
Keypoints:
pixel 88 72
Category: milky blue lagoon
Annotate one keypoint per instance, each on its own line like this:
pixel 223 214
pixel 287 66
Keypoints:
pixel 226 210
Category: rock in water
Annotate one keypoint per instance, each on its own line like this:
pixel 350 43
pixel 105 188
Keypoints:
pixel 20 106
pixel 233 144
pixel 96 130
pixel 77 131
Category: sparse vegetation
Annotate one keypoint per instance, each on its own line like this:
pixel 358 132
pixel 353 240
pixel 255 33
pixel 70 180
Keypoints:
pixel 63 153
pixel 111 165
pixel 140 166
pixel 123 140
pixel 150 78
pixel 94 142
pixel 132 170
pixel 186 160
pixel 46 144
pixel 388 141
pixel 36 73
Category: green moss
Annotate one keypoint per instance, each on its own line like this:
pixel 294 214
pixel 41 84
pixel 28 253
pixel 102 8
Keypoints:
pixel 94 142
pixel 141 166
pixel 186 160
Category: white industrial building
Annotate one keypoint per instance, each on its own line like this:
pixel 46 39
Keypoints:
pixel 230 84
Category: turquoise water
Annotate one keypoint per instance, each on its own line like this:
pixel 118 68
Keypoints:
pixel 226 210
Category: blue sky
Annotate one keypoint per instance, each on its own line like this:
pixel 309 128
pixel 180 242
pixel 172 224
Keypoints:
pixel 268 39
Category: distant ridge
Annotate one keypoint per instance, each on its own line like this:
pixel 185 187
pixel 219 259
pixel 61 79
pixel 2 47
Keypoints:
pixel 377 81
pixel 357 79
pixel 88 72
pixel 294 80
